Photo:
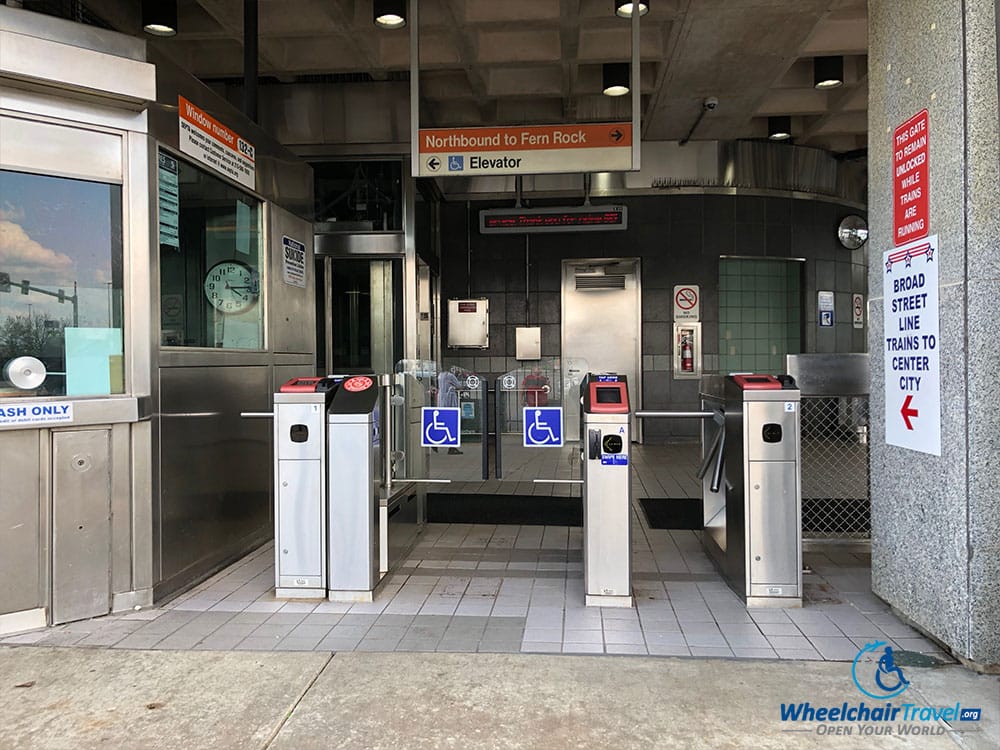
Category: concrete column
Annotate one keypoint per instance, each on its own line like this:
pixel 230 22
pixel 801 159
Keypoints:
pixel 936 520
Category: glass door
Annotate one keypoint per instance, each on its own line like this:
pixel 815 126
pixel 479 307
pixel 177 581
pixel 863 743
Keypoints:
pixel 360 330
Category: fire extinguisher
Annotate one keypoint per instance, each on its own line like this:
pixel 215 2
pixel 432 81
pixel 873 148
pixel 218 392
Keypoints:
pixel 687 355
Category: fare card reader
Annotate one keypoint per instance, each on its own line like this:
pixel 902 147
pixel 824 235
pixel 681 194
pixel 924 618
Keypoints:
pixel 607 491
pixel 300 487
pixel 353 455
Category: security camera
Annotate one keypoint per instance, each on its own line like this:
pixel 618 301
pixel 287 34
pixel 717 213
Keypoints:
pixel 710 103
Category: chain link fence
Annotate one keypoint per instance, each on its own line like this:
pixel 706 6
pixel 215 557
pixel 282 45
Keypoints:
pixel 835 469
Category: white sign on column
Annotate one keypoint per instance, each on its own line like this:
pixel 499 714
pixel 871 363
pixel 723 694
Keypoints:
pixel 911 346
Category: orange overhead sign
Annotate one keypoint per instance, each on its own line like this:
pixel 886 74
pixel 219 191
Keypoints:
pixel 212 143
pixel 529 149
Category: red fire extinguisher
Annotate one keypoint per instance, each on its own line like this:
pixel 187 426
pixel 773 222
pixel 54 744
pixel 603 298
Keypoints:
pixel 687 355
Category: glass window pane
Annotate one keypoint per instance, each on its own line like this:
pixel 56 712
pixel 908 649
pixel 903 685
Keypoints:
pixel 60 287
pixel 210 260
pixel 359 196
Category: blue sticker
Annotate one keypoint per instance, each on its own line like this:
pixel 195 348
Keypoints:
pixel 614 459
pixel 439 427
pixel 543 426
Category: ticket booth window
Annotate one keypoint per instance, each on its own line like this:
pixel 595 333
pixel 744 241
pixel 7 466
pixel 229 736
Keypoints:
pixel 61 316
pixel 211 289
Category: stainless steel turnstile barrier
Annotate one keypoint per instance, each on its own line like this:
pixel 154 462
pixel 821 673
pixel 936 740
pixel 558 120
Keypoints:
pixel 353 453
pixel 753 515
pixel 605 440
pixel 327 473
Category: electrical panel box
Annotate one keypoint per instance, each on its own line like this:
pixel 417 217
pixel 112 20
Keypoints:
pixel 528 343
pixel 469 323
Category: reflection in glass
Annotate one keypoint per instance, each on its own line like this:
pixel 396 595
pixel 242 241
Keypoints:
pixel 210 259
pixel 61 284
pixel 361 196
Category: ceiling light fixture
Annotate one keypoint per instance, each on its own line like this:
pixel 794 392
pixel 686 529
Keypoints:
pixel 828 72
pixel 159 17
pixel 779 128
pixel 389 14
pixel 623 8
pixel 615 76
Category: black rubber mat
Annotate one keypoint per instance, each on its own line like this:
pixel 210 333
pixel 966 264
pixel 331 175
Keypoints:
pixel 521 510
pixel 673 513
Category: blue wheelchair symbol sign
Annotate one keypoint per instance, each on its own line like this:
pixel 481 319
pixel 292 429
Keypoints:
pixel 439 427
pixel 543 427
pixel 826 318
pixel 456 163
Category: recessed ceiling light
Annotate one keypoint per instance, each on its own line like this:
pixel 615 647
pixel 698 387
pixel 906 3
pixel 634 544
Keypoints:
pixel 623 8
pixel 615 78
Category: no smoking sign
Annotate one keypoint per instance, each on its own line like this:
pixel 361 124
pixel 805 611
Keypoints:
pixel 687 302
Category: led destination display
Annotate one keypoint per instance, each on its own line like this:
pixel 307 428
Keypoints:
pixel 582 219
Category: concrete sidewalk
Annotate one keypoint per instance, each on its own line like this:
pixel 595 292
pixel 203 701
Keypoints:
pixel 84 698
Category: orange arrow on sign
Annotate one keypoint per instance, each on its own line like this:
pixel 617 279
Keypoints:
pixel 908 412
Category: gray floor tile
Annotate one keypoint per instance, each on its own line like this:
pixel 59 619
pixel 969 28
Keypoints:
pixel 789 642
pixel 837 649
pixel 626 648
pixel 297 644
pixel 583 648
pixel 270 630
pixel 307 631
pixel 823 627
pixel 778 628
pixel 714 651
pixel 377 644
pixel 257 644
pixel 754 653
pixel 809 654
pixel 668 650
pixel 337 644
pixel 583 636
pixel 541 647
pixel 621 637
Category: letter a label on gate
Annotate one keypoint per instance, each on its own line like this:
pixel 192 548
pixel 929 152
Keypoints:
pixel 439 427
pixel 543 427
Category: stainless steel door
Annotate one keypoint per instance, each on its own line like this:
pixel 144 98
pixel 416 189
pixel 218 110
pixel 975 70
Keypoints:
pixel 772 523
pixel 20 523
pixel 81 513
pixel 601 313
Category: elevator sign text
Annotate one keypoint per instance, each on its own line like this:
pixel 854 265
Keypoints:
pixel 911 347
pixel 528 149
pixel 910 188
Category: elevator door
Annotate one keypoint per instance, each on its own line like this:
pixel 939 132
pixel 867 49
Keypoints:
pixel 360 330
pixel 601 309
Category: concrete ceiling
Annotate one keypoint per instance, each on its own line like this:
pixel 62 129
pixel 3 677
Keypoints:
pixel 486 62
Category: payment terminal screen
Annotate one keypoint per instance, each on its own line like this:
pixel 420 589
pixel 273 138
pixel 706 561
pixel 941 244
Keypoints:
pixel 609 396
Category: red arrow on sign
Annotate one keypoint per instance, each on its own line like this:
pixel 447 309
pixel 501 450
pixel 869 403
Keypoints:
pixel 907 412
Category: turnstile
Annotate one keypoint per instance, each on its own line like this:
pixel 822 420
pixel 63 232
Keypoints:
pixel 753 516
pixel 352 453
pixel 605 441
pixel 300 506
pixel 326 525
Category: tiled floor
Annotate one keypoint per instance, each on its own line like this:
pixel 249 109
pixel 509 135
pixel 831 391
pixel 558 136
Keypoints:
pixel 471 588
